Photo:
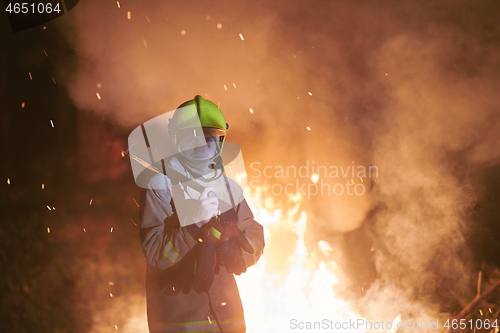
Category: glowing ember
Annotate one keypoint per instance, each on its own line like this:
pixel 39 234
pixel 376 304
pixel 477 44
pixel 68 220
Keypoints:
pixel 8 181
pixel 225 87
pixel 118 4
pixel 99 85
pixel 98 96
pixel 51 122
pixel 135 202
pixel 48 207
pixel 90 203
pixel 31 77
pixel 145 44
pixel 23 104
pixel 45 52
pixel 48 230
pixel 251 110
pixel 129 15
pixel 43 186
pixel 54 80
pixel 241 36
pixel 310 93
pixel 308 128
pixel 234 85
pixel 183 32
pixel 219 26
pixel 208 17
pixel 315 178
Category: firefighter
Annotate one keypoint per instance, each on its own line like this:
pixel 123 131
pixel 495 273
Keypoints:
pixel 197 230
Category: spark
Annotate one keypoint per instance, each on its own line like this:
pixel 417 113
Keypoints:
pixel 53 208
pixel 98 96
pixel 110 295
pixel 310 93
pixel 223 303
pixel 208 17
pixel 54 80
pixel 48 207
pixel 99 85
pixel 145 44
pixel 84 230
pixel 44 28
pixel 200 240
pixel 111 229
pixel 48 230
pixel 23 104
pixel 234 85
pixel 324 246
pixel 135 202
pixel 352 181
pixel 209 320
pixel 251 110
pixel 219 26
pixel 31 77
pixel 8 181
pixel 225 87
pixel 131 219
pixel 45 53
pixel 372 249
pixel 90 203
pixel 116 327
pixel 123 154
pixel 183 32
pixel 230 168
pixel 361 179
pixel 489 309
pixel 481 312
pixel 147 19
pixel 111 283
pixel 241 36
pixel 118 4
pixel 129 16
pixel 308 128
pixel 52 123
pixel 43 186
pixel 315 178
pixel 386 73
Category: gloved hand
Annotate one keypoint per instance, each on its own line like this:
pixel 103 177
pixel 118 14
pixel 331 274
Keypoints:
pixel 208 236
pixel 229 253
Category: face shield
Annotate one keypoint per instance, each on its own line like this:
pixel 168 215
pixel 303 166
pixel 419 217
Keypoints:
pixel 200 145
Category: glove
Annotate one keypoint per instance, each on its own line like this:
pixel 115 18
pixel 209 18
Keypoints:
pixel 229 253
pixel 206 256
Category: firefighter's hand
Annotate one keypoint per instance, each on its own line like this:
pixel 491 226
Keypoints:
pixel 208 206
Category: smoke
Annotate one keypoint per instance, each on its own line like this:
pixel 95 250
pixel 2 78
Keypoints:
pixel 403 86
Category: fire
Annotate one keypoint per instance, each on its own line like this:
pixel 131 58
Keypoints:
pixel 303 291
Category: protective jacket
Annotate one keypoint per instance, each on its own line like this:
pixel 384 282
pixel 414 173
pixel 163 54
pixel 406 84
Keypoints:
pixel 171 252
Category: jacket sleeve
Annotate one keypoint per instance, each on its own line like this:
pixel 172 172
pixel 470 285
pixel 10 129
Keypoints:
pixel 164 242
pixel 254 232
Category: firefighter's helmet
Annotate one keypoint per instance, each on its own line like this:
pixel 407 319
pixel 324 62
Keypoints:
pixel 196 119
